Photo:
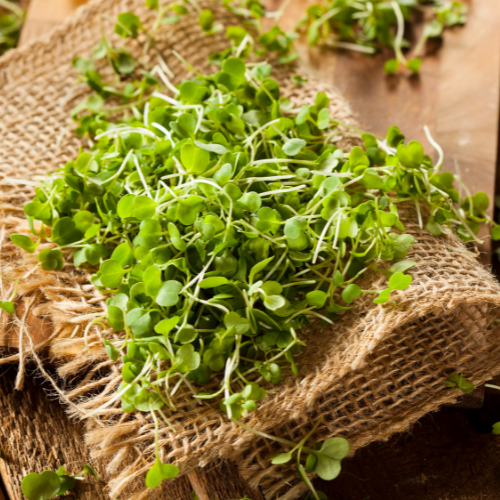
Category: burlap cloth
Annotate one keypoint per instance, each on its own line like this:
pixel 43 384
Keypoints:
pixel 372 374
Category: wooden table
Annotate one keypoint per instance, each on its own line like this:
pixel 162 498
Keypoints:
pixel 444 456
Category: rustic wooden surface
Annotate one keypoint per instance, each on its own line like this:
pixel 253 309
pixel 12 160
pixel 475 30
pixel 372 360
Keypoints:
pixel 443 457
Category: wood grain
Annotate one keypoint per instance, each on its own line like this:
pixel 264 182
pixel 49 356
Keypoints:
pixel 442 458
pixel 221 480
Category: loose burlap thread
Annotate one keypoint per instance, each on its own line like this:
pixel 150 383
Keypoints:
pixel 372 374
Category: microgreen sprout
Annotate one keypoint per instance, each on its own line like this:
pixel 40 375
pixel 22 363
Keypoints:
pixel 459 381
pixel 50 484
pixel 367 25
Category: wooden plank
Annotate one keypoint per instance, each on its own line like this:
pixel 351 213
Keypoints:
pixel 43 15
pixel 443 457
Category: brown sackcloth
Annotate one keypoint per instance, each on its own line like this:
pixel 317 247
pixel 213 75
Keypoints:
pixel 374 373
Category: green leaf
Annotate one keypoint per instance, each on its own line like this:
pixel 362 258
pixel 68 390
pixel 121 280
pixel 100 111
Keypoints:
pixel 87 469
pixel 434 228
pixel 402 243
pixel 175 237
pixel 251 201
pixel 194 159
pixel 186 334
pixel 272 288
pixel 7 306
pixel 235 67
pixel 338 278
pixel 189 208
pixel 65 232
pixel 495 232
pixel 259 267
pixel 128 25
pixel 336 447
pixel 383 297
pixel 82 65
pixel 295 227
pixel 401 266
pixel 169 293
pixel 112 351
pixel 394 136
pixel 25 242
pixel 323 118
pixel 331 453
pixel 39 211
pixel 125 206
pixel 143 207
pixel 281 458
pixel 274 302
pixel 391 66
pixel 159 472
pixel 42 486
pixel 316 298
pixel 206 19
pixel 123 254
pixel 212 148
pixel 66 483
pixel 400 281
pixel 139 321
pixel 83 220
pixel 112 273
pixel 213 282
pixel 414 64
pixel 186 359
pixel 411 156
pixel 234 320
pixel 165 326
pixel 481 202
pixel 51 260
pixel 292 147
pixel 351 292
pixel 147 401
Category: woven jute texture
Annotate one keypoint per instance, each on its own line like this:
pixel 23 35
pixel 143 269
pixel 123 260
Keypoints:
pixel 372 374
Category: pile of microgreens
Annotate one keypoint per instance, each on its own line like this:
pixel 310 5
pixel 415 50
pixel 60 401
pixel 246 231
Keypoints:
pixel 11 21
pixel 361 25
pixel 368 25
pixel 220 219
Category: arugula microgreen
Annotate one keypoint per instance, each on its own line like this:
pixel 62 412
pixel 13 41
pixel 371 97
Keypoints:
pixel 50 484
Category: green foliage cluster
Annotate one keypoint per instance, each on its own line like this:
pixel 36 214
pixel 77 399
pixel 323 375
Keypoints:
pixel 220 218
pixel 362 25
pixel 368 25
pixel 11 21
pixel 459 381
pixel 50 484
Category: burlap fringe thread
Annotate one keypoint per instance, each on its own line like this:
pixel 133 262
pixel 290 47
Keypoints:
pixel 373 374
